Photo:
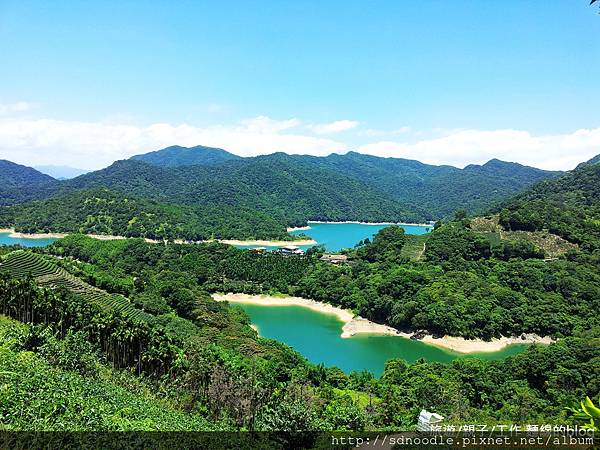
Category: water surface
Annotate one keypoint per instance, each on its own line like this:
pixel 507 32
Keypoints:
pixel 5 239
pixel 336 236
pixel 317 336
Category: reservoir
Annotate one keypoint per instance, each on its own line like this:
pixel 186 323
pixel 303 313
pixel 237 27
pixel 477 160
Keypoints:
pixel 335 236
pixel 316 336
pixel 5 239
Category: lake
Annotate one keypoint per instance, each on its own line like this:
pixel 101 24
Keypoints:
pixel 336 236
pixel 5 239
pixel 317 336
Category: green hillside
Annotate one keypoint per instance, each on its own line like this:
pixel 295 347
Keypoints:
pixel 438 190
pixel 101 211
pixel 176 156
pixel 278 185
pixel 568 206
pixel 21 183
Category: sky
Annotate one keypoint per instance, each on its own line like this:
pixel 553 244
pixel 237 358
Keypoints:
pixel 445 82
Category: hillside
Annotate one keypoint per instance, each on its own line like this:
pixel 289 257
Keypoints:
pixel 568 206
pixel 439 190
pixel 176 156
pixel 279 185
pixel 101 211
pixel 279 189
pixel 21 183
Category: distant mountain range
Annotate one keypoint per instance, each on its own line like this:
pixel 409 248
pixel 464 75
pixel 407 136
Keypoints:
pixel 289 189
pixel 177 156
pixel 61 172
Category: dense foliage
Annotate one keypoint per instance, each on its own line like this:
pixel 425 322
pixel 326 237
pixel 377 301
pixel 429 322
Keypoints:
pixel 176 156
pixel 568 206
pixel 21 183
pixel 101 211
pixel 201 367
pixel 437 190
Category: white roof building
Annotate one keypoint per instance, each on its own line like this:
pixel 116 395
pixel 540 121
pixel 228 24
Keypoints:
pixel 427 420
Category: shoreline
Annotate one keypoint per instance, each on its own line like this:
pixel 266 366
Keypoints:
pixel 265 243
pixel 354 325
pixel 289 230
pixel 107 237
pixel 373 223
pixel 101 237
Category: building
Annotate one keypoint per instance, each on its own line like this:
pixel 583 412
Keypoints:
pixel 334 259
pixel 291 250
pixel 429 421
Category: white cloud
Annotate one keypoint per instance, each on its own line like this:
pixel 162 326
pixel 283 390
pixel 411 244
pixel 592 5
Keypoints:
pixel 401 130
pixel 264 124
pixel 92 145
pixel 333 127
pixel 18 107
pixel 462 147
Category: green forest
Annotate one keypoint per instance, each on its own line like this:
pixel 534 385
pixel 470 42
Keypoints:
pixel 102 211
pixel 124 334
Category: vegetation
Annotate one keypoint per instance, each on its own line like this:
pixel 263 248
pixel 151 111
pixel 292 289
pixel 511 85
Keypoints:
pixel 101 211
pixel 20 183
pixel 568 207
pixel 210 371
pixel 177 156
pixel 123 334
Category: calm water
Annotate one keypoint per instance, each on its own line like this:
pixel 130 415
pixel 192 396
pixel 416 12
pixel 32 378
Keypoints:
pixel 5 239
pixel 317 336
pixel 336 236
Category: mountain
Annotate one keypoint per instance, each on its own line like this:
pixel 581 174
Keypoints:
pixel 17 176
pixel 101 211
pixel 291 189
pixel 568 206
pixel 439 190
pixel 21 183
pixel 61 172
pixel 176 156
pixel 594 160
pixel 426 191
pixel 283 186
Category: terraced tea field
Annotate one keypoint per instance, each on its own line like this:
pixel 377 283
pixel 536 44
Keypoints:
pixel 23 264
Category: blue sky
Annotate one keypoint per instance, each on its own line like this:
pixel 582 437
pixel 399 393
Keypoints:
pixel 442 81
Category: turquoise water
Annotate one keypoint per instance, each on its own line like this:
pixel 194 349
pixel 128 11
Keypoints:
pixel 336 236
pixel 317 336
pixel 5 239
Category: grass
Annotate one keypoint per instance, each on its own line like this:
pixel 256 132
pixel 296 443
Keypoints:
pixel 414 246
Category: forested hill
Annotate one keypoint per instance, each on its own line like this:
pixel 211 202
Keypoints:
pixel 568 206
pixel 280 185
pixel 283 189
pixel 437 190
pixel 176 156
pixel 20 183
pixel 101 211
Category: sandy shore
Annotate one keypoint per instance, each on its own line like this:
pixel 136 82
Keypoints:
pixel 352 324
pixel 289 230
pixel 261 243
pixel 356 325
pixel 462 345
pixel 16 235
pixel 107 237
pixel 375 223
